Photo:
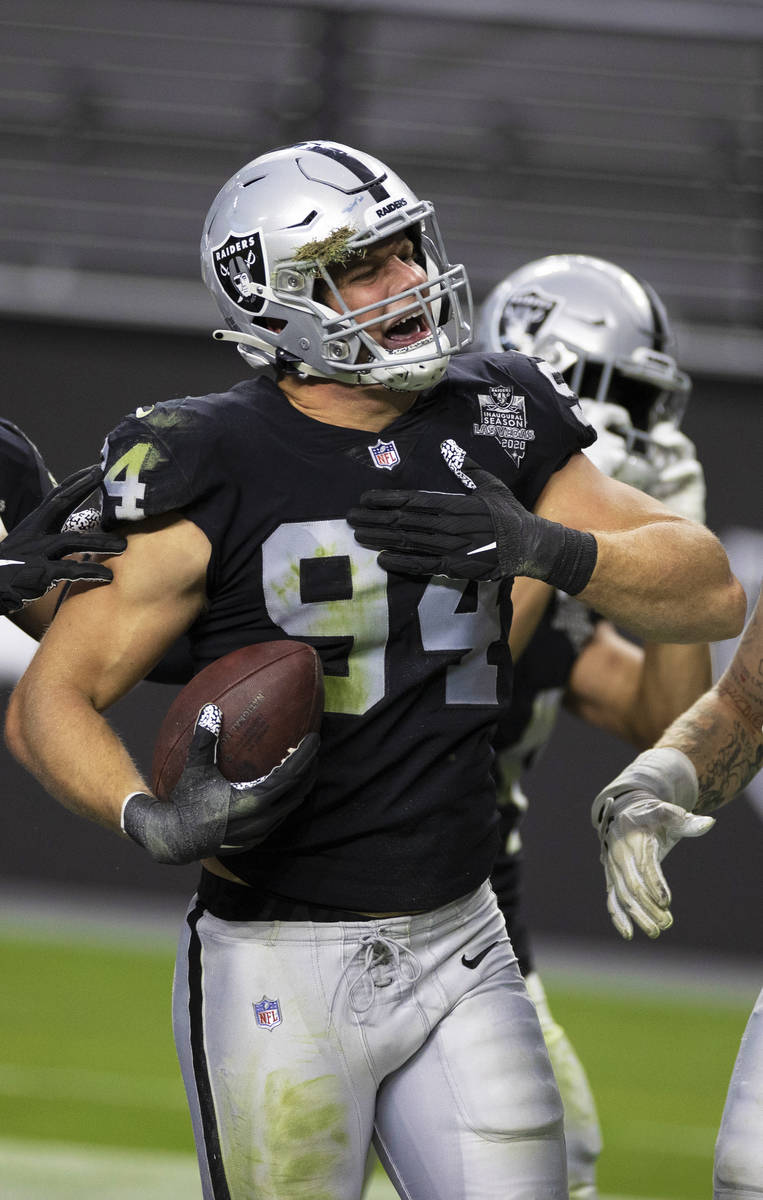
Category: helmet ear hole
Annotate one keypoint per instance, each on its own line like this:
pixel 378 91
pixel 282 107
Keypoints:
pixel 414 232
pixel 272 324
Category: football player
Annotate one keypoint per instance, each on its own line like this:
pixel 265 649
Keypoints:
pixel 32 514
pixel 345 972
pixel 609 336
pixel 704 759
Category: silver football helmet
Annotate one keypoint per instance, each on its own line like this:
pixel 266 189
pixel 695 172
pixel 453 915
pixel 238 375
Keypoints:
pixel 269 242
pixel 604 330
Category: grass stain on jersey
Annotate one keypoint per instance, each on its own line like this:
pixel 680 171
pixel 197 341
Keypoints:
pixel 359 620
pixel 364 619
pixel 168 415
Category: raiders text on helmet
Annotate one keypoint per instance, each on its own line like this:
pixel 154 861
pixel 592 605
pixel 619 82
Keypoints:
pixel 269 242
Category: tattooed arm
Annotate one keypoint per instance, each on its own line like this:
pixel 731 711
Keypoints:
pixel 701 761
pixel 721 733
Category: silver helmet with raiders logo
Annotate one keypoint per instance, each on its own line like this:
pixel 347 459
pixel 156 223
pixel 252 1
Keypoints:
pixel 271 239
pixel 600 327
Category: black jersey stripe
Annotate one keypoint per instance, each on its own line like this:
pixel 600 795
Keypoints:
pixel 220 1189
pixel 376 191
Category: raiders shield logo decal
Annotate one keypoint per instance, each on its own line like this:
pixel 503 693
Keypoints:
pixel 240 269
pixel 524 315
pixel 502 416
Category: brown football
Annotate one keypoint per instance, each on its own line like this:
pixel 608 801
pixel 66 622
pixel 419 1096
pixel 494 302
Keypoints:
pixel 270 695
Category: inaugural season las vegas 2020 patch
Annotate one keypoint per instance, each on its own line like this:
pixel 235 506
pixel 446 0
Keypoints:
pixel 503 416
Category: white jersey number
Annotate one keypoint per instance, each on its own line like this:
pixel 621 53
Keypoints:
pixel 361 615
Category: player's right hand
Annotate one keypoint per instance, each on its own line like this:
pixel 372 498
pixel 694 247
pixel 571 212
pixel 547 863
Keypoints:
pixel 206 815
pixel 636 831
pixel 32 555
pixel 484 533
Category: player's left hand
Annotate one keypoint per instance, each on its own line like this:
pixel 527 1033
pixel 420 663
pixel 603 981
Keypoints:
pixel 206 814
pixel 636 831
pixel 680 483
pixel 484 533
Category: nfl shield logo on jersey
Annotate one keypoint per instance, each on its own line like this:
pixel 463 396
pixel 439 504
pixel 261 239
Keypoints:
pixel 267 1013
pixel 384 454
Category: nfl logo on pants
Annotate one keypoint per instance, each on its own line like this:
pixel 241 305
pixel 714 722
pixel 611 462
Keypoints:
pixel 267 1013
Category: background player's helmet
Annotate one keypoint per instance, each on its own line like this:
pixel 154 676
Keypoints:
pixel 270 239
pixel 604 330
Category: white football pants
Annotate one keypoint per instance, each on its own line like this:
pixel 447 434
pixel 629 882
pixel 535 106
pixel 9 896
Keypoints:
pixel 738 1167
pixel 300 1042
pixel 582 1133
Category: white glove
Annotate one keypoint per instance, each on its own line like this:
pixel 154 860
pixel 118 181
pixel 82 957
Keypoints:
pixel 637 829
pixel 611 452
pixel 680 483
pixel 614 430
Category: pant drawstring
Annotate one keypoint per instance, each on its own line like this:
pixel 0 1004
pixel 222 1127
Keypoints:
pixel 375 950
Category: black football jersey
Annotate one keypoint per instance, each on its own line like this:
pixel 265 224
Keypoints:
pixel 24 478
pixel 403 815
pixel 525 726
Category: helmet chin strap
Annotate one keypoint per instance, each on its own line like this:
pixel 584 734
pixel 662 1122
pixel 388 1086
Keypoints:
pixel 405 377
pixel 415 377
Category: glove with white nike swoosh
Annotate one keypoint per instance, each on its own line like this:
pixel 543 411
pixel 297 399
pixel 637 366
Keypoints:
pixel 207 815
pixel 483 534
pixel 32 555
pixel 640 816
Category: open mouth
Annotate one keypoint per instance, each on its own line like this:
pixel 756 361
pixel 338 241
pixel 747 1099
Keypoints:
pixel 406 332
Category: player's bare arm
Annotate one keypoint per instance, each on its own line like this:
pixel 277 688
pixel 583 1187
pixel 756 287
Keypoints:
pixel 529 600
pixel 35 618
pixel 657 575
pixel 635 691
pixel 101 644
pixel 722 733
pixel 702 761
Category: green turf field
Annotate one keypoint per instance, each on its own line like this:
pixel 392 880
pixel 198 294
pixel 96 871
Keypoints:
pixel 91 1102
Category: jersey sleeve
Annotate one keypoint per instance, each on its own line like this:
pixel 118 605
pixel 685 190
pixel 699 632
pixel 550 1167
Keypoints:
pixel 147 468
pixel 171 458
pixel 559 424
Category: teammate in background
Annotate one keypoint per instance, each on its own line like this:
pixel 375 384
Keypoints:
pixel 704 759
pixel 609 335
pixel 32 545
pixel 345 972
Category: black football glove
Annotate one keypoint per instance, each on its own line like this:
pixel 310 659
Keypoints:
pixel 482 534
pixel 207 815
pixel 31 555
